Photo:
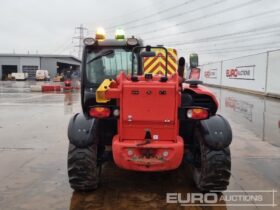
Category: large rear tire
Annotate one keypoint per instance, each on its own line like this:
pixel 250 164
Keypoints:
pixel 211 168
pixel 82 168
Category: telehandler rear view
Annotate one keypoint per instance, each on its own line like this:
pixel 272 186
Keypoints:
pixel 151 121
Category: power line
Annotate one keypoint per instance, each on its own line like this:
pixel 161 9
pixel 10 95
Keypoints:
pixel 264 35
pixel 218 24
pixel 139 10
pixel 242 37
pixel 207 39
pixel 63 46
pixel 205 16
pixel 67 47
pixel 151 15
pixel 242 50
pixel 180 14
pixel 239 47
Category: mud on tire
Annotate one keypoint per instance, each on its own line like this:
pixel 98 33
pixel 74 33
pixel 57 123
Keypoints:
pixel 211 168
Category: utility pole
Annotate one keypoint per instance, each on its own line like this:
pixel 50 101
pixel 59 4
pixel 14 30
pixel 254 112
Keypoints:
pixel 81 31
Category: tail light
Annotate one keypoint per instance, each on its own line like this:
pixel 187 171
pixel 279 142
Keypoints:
pixel 99 112
pixel 197 113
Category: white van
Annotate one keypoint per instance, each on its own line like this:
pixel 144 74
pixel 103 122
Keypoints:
pixel 42 75
pixel 20 76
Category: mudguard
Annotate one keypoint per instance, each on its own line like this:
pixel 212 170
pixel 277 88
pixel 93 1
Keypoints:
pixel 216 132
pixel 80 130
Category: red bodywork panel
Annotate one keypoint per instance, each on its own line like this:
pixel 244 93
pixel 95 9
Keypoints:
pixel 143 107
pixel 147 107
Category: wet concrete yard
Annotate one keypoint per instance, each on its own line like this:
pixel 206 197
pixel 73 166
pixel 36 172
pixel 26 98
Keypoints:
pixel 33 153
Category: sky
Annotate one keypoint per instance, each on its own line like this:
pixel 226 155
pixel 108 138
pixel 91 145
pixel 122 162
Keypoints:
pixel 215 29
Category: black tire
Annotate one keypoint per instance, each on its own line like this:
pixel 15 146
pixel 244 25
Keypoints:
pixel 211 168
pixel 84 166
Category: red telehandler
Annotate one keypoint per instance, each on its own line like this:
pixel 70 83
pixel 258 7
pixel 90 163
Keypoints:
pixel 151 122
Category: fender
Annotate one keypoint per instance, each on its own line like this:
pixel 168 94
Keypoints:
pixel 216 132
pixel 200 89
pixel 80 130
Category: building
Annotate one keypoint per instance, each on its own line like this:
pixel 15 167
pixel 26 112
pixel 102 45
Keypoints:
pixel 29 63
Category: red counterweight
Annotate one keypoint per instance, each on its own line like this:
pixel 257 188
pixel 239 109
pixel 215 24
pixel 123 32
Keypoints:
pixel 148 124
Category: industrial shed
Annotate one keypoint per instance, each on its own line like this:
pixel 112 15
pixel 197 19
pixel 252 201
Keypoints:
pixel 29 63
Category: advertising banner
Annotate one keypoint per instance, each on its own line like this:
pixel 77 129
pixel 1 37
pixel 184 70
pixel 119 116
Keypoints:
pixel 248 72
pixel 211 73
pixel 241 72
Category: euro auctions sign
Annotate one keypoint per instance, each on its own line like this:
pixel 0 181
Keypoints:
pixel 241 72
pixel 211 73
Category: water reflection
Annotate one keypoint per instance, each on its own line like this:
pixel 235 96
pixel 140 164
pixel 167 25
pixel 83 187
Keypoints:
pixel 15 86
pixel 68 103
pixel 239 106
pixel 260 115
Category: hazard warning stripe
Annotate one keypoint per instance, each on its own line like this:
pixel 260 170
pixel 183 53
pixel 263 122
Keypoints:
pixel 171 57
pixel 151 64
pixel 148 62
pixel 157 64
pixel 160 67
pixel 172 66
pixel 170 61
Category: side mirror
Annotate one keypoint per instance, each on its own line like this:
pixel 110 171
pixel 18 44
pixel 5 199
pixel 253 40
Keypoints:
pixel 148 54
pixel 193 60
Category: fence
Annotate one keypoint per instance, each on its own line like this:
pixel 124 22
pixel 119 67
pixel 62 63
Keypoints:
pixel 258 73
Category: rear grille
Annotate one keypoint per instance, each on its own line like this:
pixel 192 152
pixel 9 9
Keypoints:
pixel 202 100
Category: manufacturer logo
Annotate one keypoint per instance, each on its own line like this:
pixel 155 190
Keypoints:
pixel 241 72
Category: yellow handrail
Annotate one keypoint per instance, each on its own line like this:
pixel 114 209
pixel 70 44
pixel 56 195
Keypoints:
pixel 101 90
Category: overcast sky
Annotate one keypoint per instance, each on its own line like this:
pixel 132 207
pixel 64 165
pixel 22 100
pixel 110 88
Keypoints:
pixel 216 29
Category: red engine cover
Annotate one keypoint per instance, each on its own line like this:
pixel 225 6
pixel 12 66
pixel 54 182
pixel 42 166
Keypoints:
pixel 147 107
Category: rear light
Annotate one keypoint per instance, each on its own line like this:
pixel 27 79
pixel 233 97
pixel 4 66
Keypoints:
pixel 99 112
pixel 197 113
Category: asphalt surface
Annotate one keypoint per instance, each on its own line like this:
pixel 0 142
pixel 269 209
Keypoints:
pixel 33 153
